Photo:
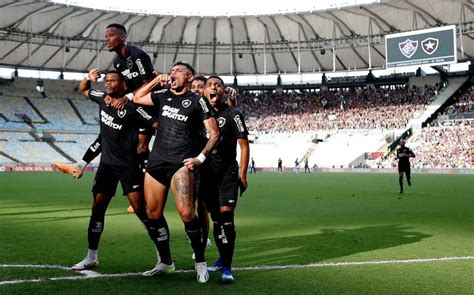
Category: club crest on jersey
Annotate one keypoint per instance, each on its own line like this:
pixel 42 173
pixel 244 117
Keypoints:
pixel 186 103
pixel 221 121
pixel 121 113
pixel 408 47
pixel 429 45
pixel 129 63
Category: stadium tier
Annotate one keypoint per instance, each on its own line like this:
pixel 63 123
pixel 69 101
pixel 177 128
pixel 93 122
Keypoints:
pixel 331 127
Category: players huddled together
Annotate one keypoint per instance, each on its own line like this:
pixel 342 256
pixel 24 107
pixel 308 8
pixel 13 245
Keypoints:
pixel 196 129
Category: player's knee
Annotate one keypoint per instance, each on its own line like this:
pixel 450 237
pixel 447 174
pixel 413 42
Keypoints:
pixel 187 214
pixel 153 213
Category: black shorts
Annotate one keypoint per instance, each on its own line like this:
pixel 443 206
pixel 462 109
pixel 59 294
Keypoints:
pixel 108 176
pixel 219 189
pixel 404 168
pixel 164 172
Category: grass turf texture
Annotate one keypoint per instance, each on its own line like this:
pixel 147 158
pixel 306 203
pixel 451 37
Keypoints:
pixel 281 220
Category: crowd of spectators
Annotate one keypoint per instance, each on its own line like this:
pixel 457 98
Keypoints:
pixel 464 103
pixel 367 108
pixel 447 145
pixel 443 147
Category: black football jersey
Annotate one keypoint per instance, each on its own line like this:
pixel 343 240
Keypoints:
pixel 403 155
pixel 231 127
pixel 119 130
pixel 180 121
pixel 135 67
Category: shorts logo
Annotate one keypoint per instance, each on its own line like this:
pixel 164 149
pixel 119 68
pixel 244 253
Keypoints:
pixel 221 122
pixel 429 45
pixel 135 186
pixel 238 122
pixel 121 113
pixel 408 48
pixel 186 103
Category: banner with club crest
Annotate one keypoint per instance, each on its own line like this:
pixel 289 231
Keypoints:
pixel 427 47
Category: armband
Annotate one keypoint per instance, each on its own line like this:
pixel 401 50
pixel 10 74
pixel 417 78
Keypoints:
pixel 201 157
pixel 130 96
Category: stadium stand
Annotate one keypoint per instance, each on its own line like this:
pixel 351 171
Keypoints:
pixel 443 147
pixel 20 146
pixel 331 127
pixel 352 109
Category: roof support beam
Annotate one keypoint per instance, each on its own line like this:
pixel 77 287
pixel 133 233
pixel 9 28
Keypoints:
pixel 313 53
pixel 269 43
pixel 249 42
pixel 283 39
pixel 195 62
pixel 180 38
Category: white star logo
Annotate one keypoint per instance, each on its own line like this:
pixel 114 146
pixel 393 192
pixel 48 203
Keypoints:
pixel 429 45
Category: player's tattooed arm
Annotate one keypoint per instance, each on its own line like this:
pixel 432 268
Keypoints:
pixel 213 131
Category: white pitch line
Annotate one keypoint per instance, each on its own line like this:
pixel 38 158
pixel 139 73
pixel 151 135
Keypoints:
pixel 86 275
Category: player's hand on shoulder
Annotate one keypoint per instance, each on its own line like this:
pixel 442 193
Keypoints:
pixel 120 103
pixel 230 91
pixel 94 75
pixel 108 100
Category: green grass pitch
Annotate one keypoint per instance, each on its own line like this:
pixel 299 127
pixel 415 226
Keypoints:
pixel 282 220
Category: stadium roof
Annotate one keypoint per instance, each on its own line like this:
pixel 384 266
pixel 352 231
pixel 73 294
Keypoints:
pixel 47 35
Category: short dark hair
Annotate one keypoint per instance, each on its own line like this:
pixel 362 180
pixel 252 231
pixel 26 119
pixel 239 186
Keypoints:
pixel 199 78
pixel 216 77
pixel 183 63
pixel 115 72
pixel 119 27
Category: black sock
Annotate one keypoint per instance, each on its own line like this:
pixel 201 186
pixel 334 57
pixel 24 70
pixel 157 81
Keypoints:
pixel 194 232
pixel 400 181
pixel 159 233
pixel 217 235
pixel 227 237
pixel 93 151
pixel 94 231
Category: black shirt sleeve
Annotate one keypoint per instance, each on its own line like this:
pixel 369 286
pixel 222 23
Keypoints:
pixel 145 67
pixel 238 124
pixel 96 95
pixel 205 110
pixel 145 120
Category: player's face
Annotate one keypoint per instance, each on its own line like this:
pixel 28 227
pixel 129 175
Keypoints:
pixel 402 143
pixel 113 84
pixel 114 39
pixel 214 91
pixel 180 77
pixel 198 87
